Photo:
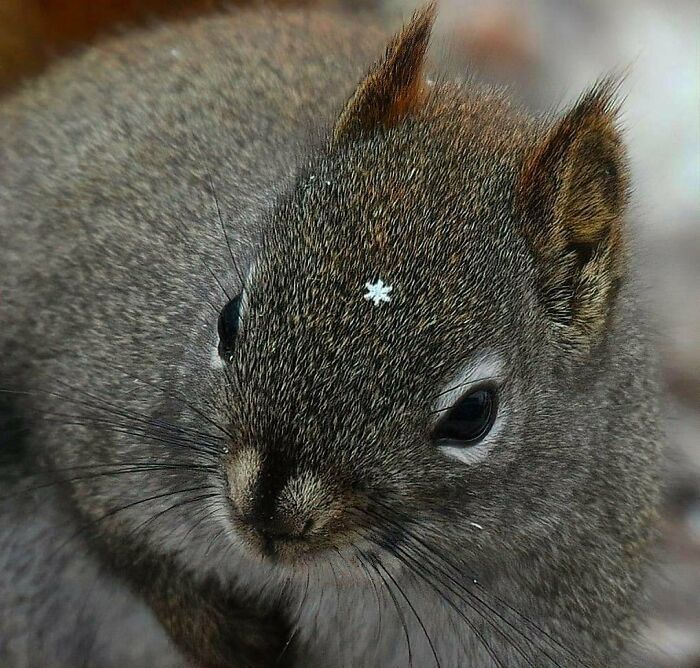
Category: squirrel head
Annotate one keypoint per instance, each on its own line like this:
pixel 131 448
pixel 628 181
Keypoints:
pixel 402 351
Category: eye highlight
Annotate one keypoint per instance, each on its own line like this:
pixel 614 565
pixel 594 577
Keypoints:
pixel 469 420
pixel 228 326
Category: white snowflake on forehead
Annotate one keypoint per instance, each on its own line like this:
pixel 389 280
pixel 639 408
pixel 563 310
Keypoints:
pixel 378 292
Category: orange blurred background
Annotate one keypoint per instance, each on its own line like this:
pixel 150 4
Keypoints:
pixel 34 31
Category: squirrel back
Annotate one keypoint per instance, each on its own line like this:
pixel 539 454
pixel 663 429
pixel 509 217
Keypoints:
pixel 337 373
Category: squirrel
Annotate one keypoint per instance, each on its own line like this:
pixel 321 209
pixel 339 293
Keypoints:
pixel 310 364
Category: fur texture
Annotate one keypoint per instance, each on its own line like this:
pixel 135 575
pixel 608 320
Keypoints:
pixel 289 506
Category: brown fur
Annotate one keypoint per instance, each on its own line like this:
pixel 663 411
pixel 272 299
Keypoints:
pixel 573 193
pixel 395 86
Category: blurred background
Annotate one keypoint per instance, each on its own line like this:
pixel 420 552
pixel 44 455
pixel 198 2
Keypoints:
pixel 548 51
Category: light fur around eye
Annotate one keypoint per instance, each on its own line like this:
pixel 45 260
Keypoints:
pixel 485 372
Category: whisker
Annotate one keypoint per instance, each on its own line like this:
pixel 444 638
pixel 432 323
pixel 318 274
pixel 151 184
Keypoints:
pixel 199 445
pixel 470 623
pixel 108 408
pixel 189 405
pixel 205 516
pixel 372 563
pixel 360 560
pixel 178 504
pixel 223 228
pixel 120 509
pixel 218 282
pixel 337 606
pixel 413 610
pixel 292 635
pixel 416 564
pixel 432 552
pixel 100 474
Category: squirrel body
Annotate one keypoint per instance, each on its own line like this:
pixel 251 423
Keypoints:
pixel 271 492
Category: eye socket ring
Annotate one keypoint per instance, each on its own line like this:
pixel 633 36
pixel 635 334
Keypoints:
pixel 469 419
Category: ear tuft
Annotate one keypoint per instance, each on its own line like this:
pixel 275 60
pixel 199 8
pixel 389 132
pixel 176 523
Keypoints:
pixel 395 86
pixel 572 194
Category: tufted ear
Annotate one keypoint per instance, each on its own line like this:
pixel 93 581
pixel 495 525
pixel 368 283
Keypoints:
pixel 572 194
pixel 395 86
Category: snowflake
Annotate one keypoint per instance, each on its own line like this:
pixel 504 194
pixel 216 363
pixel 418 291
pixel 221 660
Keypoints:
pixel 378 292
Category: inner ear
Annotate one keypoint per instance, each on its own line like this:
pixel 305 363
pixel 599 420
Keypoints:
pixel 395 86
pixel 572 196
pixel 593 186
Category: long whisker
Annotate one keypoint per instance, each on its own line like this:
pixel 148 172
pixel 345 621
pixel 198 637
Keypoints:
pixel 449 566
pixel 156 431
pixel 372 563
pixel 189 405
pixel 120 509
pixel 413 610
pixel 447 579
pixel 102 474
pixel 414 566
pixel 108 408
pixel 223 228
pixel 470 623
pixel 292 635
pixel 206 513
pixel 178 504
pixel 361 561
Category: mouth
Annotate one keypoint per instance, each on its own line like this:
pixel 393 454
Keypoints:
pixel 306 546
pixel 277 547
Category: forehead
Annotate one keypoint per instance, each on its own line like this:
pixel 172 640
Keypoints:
pixel 391 254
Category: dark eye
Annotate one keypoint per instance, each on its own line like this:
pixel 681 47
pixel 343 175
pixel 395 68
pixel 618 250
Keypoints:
pixel 469 420
pixel 229 322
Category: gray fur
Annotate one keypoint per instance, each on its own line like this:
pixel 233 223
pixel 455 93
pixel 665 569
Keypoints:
pixel 110 237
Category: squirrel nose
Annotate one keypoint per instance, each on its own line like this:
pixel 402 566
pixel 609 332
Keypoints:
pixel 264 502
pixel 277 501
